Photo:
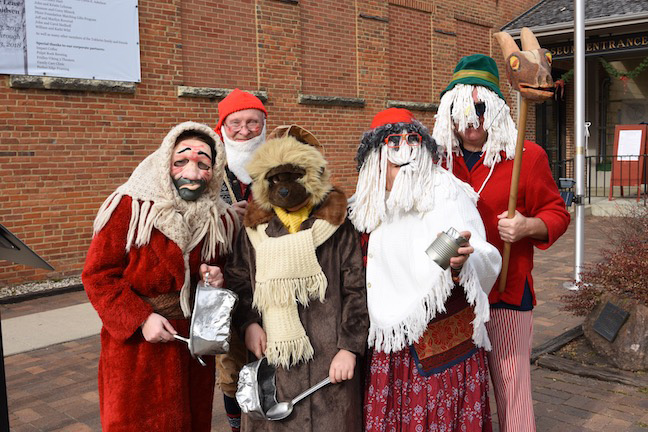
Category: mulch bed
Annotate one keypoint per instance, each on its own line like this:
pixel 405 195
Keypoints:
pixel 576 356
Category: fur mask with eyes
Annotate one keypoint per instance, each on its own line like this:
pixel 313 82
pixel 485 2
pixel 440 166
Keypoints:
pixel 288 174
pixel 285 189
pixel 528 70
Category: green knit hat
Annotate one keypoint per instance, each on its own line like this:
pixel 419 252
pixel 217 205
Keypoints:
pixel 476 69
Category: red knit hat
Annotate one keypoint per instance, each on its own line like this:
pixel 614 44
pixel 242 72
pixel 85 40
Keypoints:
pixel 237 100
pixel 392 115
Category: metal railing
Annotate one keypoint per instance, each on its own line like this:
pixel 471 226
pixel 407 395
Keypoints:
pixel 599 171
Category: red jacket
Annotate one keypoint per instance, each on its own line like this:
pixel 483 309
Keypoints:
pixel 144 386
pixel 538 197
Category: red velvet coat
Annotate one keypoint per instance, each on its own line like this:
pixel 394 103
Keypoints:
pixel 538 197
pixel 143 386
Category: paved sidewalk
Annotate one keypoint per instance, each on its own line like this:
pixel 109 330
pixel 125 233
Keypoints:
pixel 55 388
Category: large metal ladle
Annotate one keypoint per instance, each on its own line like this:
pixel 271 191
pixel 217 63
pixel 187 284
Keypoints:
pixel 284 409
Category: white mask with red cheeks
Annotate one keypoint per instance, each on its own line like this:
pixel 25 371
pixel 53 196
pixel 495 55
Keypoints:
pixel 191 168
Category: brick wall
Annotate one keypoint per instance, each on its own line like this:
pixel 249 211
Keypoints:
pixel 410 55
pixel 63 152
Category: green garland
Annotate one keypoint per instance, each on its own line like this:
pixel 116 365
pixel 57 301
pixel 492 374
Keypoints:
pixel 624 75
pixel 567 76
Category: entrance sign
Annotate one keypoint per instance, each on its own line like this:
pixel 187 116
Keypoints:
pixel 91 39
pixel 597 45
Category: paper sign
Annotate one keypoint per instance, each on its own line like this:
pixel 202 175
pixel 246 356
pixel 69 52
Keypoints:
pixel 629 145
pixel 92 39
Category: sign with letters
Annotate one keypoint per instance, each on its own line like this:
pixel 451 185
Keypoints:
pixel 92 39
pixel 601 45
pixel 610 321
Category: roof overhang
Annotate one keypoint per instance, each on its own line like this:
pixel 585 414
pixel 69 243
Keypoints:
pixel 608 23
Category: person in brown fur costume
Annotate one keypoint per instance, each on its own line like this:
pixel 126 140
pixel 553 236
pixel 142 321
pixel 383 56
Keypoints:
pixel 297 268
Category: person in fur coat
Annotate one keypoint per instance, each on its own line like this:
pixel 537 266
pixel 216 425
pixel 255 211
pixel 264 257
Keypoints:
pixel 427 368
pixel 297 268
pixel 154 238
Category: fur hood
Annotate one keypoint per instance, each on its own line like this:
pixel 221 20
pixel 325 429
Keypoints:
pixel 283 151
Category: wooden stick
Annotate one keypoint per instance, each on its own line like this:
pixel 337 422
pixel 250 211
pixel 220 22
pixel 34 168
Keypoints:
pixel 515 180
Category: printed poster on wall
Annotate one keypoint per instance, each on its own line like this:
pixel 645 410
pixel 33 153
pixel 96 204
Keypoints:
pixel 92 39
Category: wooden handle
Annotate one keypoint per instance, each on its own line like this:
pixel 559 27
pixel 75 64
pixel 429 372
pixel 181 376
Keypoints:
pixel 515 180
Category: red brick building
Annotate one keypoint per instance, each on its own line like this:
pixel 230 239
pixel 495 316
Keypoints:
pixel 327 65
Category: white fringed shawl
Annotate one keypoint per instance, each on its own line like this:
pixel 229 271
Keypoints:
pixel 405 288
pixel 156 204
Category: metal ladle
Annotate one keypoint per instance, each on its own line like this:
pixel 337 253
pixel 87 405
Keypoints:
pixel 283 409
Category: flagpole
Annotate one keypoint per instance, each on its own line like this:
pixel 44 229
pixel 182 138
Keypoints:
pixel 579 131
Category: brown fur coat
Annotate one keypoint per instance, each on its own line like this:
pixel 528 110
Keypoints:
pixel 340 322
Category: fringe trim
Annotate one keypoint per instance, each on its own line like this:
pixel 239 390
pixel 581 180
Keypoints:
pixel 143 218
pixel 185 292
pixel 477 298
pixel 289 353
pixel 410 330
pixel 282 292
pixel 105 211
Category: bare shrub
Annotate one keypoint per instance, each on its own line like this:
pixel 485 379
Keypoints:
pixel 623 270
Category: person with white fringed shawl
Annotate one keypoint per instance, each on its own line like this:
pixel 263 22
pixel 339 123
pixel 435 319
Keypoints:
pixel 427 367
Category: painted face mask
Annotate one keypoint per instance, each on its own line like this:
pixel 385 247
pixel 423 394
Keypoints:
pixel 191 168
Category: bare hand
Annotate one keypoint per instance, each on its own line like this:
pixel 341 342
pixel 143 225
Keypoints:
pixel 156 329
pixel 342 366
pixel 216 278
pixel 514 229
pixel 256 340
pixel 464 251
pixel 240 208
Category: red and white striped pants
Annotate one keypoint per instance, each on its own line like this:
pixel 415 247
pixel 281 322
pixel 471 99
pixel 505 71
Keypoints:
pixel 511 334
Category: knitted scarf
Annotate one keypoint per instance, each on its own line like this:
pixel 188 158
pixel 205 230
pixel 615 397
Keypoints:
pixel 293 220
pixel 156 204
pixel 287 272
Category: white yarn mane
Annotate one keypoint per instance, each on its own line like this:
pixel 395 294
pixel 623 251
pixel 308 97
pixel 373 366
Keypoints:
pixel 502 132
pixel 412 188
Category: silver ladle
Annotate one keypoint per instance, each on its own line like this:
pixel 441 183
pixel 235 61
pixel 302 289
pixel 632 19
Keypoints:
pixel 283 409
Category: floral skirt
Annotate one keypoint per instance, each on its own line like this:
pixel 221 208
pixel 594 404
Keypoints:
pixel 399 399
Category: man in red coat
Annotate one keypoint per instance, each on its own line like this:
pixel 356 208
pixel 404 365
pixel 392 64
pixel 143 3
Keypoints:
pixel 154 238
pixel 474 125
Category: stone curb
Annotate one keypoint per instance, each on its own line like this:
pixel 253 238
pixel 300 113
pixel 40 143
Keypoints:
pixel 18 298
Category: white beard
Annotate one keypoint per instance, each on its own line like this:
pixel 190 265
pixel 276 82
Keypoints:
pixel 239 154
pixel 403 188
pixel 412 189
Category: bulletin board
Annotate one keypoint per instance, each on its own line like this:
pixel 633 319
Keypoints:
pixel 629 164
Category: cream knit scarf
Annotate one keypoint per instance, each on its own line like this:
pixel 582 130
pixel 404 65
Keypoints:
pixel 156 204
pixel 287 272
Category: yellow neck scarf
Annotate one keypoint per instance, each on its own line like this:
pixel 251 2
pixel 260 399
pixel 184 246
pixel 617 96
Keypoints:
pixel 293 220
